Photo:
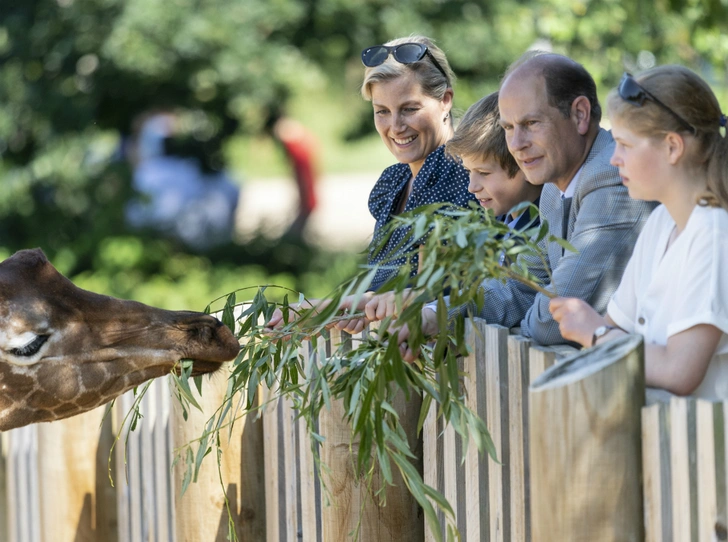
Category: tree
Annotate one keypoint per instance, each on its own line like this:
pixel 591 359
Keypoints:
pixel 75 73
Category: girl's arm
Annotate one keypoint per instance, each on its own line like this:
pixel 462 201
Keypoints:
pixel 679 366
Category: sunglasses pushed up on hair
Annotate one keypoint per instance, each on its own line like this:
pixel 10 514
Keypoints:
pixel 404 53
pixel 634 93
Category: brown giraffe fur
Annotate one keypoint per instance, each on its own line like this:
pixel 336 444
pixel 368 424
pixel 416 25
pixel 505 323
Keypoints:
pixel 64 350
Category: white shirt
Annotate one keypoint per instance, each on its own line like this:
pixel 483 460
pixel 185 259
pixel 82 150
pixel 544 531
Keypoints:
pixel 664 292
pixel 569 192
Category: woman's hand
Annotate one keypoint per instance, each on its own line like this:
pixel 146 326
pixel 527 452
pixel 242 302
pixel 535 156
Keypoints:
pixel 294 311
pixel 346 306
pixel 381 306
pixel 577 320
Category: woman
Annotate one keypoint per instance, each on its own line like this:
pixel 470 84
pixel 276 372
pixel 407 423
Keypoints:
pixel 409 82
pixel 669 148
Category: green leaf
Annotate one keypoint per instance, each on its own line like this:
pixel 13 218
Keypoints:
pixel 564 243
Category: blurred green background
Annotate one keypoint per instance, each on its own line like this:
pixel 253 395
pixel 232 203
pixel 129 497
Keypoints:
pixel 75 73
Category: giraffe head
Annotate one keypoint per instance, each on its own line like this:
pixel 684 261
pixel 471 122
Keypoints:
pixel 64 350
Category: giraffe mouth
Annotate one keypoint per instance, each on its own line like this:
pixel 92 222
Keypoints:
pixel 204 367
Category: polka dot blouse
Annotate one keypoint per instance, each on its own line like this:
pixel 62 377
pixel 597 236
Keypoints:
pixel 439 180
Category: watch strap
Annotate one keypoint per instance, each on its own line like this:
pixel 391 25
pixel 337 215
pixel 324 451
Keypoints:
pixel 600 332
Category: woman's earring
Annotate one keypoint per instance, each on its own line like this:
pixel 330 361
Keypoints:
pixel 447 116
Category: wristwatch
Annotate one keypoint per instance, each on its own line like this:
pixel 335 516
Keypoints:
pixel 601 331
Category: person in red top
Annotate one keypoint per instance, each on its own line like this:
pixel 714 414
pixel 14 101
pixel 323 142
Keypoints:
pixel 300 147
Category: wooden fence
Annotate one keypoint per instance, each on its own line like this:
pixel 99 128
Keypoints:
pixel 54 478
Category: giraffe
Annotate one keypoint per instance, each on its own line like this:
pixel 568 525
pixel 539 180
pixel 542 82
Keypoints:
pixel 64 350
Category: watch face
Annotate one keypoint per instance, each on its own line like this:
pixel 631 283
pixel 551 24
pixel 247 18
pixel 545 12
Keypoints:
pixel 601 330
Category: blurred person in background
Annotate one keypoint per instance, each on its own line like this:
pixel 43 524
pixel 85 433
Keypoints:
pixel 301 150
pixel 180 194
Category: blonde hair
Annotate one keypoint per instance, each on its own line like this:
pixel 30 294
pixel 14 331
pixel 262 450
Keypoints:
pixel 434 83
pixel 690 97
pixel 479 134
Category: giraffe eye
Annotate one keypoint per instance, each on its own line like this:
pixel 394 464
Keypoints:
pixel 31 348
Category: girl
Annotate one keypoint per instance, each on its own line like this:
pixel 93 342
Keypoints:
pixel 669 148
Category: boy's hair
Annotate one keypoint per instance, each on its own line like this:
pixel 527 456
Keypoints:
pixel 479 133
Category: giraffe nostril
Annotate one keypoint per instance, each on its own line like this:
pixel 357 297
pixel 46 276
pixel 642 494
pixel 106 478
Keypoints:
pixel 721 531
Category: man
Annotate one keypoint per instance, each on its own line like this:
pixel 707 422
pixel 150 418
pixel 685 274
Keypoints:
pixel 550 114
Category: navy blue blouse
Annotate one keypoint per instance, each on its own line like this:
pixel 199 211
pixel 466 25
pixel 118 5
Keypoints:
pixel 439 180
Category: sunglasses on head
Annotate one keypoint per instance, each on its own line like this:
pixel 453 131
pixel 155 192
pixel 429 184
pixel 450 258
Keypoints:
pixel 404 53
pixel 632 92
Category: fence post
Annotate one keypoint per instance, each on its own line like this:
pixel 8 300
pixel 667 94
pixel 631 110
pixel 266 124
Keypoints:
pixel 476 464
pixel 519 378
pixel 496 406
pixel 200 514
pixel 400 520
pixel 281 473
pixel 585 439
pixel 76 497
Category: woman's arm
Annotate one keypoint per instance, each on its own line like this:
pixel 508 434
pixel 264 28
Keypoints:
pixel 679 366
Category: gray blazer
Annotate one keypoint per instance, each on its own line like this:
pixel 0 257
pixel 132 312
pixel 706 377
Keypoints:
pixel 603 225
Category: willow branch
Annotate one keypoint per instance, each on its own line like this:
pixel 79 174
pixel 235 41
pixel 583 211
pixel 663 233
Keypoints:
pixel 530 284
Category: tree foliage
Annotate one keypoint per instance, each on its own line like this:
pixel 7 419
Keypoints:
pixel 75 73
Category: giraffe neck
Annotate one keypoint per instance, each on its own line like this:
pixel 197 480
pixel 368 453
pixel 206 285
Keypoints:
pixel 53 391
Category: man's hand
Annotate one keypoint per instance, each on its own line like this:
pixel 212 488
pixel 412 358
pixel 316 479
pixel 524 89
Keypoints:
pixel 429 327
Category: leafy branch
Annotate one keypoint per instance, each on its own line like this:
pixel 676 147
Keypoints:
pixel 458 249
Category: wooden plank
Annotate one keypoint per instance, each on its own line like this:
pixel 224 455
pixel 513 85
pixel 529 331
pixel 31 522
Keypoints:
pixel 136 487
pixel 271 463
pixel 680 469
pixel 146 440
pixel 68 474
pixel 585 441
pixel 127 476
pixel 518 381
pixel 162 462
pixel 121 482
pixel 201 513
pixel 290 476
pixel 400 520
pixel 721 432
pixel 431 461
pixel 341 516
pixel 450 462
pixel 652 473
pixel 706 479
pixel 540 359
pixel 496 381
pixel 310 495
pixel 476 464
pixel 665 472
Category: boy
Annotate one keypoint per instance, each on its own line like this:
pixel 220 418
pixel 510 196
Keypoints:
pixel 496 181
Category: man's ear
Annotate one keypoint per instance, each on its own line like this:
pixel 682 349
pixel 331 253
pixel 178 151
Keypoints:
pixel 675 145
pixel 581 114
